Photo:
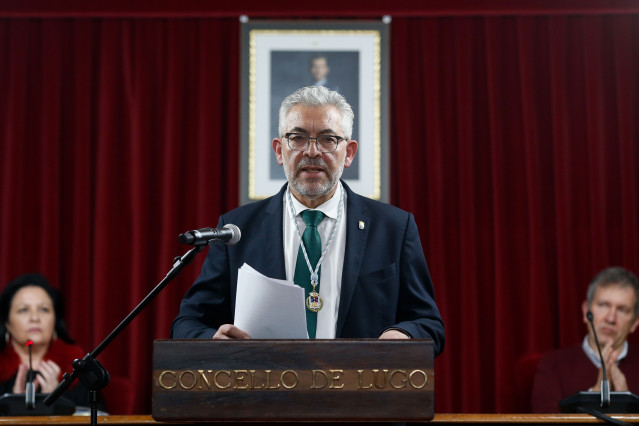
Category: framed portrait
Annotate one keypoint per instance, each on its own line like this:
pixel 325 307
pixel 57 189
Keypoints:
pixel 279 57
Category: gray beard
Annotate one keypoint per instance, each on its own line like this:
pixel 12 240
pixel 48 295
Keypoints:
pixel 312 190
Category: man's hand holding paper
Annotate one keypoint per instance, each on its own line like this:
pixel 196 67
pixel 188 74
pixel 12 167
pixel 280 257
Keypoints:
pixel 266 308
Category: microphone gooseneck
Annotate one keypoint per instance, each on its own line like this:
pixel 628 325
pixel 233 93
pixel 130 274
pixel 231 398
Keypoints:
pixel 605 385
pixel 29 395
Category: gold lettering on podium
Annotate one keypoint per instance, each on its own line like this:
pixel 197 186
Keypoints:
pixel 322 374
pixel 240 376
pixel 253 386
pixel 402 380
pixel 217 383
pixel 290 373
pixel 181 379
pixel 203 378
pixel 360 374
pixel 414 373
pixel 335 376
pixel 161 380
pixel 269 380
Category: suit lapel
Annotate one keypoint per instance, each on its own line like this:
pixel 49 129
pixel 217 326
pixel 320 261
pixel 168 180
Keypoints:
pixel 354 252
pixel 273 243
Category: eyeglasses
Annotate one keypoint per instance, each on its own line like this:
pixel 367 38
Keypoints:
pixel 323 143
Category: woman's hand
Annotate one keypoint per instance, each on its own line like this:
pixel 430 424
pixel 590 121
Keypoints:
pixel 47 378
pixel 21 379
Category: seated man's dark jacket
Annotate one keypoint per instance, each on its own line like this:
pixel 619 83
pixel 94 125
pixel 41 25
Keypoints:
pixel 385 280
pixel 566 371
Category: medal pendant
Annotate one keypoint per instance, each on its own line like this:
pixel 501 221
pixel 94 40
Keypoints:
pixel 314 302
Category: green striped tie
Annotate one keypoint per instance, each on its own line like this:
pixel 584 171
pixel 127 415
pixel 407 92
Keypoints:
pixel 313 243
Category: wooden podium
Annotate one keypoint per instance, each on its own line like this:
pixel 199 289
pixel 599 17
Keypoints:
pixel 293 380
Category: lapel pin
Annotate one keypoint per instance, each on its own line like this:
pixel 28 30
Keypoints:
pixel 361 224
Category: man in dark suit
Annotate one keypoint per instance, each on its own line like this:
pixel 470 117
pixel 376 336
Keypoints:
pixel 372 279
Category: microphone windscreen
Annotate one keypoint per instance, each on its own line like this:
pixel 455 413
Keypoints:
pixel 237 234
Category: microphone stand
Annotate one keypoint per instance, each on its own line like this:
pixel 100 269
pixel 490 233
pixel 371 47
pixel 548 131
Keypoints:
pixel 91 373
pixel 605 385
pixel 29 394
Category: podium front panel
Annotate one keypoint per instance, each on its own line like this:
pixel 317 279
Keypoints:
pixel 293 380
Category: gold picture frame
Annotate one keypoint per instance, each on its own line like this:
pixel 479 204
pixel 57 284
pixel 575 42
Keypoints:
pixel 279 57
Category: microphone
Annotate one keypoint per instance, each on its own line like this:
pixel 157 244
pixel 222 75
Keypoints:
pixel 229 235
pixel 29 396
pixel 605 385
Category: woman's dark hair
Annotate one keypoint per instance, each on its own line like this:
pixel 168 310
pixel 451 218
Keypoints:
pixel 34 280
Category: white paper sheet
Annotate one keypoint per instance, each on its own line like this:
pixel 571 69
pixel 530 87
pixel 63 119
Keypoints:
pixel 268 308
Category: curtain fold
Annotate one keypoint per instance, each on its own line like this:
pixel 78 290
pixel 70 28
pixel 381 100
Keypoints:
pixel 513 142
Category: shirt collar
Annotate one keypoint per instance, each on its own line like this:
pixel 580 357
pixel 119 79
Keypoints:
pixel 593 355
pixel 329 208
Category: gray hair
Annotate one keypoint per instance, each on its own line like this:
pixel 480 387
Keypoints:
pixel 318 96
pixel 615 275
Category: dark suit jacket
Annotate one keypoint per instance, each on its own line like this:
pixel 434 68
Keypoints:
pixel 385 280
pixel 567 371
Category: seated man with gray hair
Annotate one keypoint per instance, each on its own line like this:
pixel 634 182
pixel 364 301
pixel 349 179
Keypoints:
pixel 613 300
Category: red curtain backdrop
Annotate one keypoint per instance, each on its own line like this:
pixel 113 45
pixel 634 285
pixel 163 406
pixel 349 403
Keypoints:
pixel 515 144
pixel 513 141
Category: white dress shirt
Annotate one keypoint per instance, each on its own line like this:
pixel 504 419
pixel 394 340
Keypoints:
pixel 333 263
